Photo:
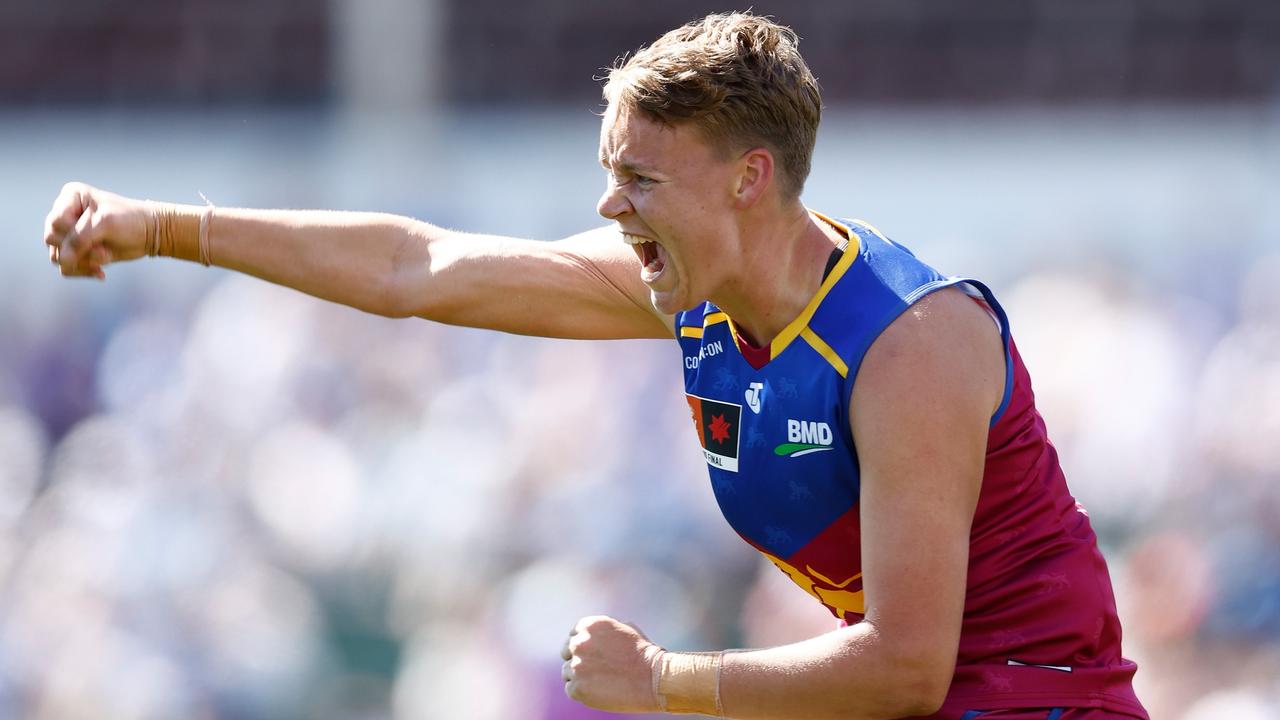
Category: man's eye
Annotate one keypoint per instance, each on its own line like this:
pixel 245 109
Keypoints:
pixel 644 180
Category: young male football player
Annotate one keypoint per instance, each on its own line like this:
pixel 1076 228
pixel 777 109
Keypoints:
pixel 905 480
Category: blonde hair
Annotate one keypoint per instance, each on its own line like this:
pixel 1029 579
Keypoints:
pixel 739 78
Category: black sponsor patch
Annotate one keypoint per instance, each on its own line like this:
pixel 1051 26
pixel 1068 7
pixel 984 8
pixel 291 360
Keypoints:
pixel 718 425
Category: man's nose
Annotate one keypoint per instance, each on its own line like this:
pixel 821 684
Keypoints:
pixel 613 204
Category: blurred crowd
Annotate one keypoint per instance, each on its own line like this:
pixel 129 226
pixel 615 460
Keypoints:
pixel 223 499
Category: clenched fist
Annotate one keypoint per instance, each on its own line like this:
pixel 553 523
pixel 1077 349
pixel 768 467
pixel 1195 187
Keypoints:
pixel 609 666
pixel 89 228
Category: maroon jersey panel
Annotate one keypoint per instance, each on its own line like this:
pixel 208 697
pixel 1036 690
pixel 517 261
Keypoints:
pixel 1040 626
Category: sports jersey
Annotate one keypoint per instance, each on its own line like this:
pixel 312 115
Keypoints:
pixel 1040 627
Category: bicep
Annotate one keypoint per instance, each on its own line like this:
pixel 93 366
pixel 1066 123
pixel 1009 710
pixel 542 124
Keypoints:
pixel 920 411
pixel 586 286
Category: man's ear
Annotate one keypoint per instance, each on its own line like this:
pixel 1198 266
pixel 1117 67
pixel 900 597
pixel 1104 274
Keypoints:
pixel 755 174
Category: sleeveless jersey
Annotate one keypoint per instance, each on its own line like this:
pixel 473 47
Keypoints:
pixel 1040 627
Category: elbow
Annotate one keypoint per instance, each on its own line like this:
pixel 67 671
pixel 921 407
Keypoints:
pixel 399 284
pixel 919 686
pixel 396 297
pixel 393 304
pixel 388 303
pixel 919 696
pixel 902 693
pixel 903 685
pixel 409 301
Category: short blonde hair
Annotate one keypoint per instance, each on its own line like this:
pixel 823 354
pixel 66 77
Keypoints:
pixel 739 78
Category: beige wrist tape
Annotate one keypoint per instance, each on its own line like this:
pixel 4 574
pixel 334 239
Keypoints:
pixel 180 231
pixel 688 683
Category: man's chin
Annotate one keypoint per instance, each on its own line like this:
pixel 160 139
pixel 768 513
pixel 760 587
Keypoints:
pixel 669 303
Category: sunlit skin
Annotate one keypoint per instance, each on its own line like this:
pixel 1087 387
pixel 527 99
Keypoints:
pixel 718 223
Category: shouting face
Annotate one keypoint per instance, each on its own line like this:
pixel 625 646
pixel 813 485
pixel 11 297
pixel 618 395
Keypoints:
pixel 672 195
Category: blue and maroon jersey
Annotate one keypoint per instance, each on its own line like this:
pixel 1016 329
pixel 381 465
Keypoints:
pixel 1040 627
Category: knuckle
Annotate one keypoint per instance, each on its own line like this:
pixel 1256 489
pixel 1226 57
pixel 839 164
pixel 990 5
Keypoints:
pixel 55 223
pixel 72 188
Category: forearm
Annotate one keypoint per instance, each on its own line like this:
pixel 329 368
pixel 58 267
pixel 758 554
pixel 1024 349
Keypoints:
pixel 353 258
pixel 849 673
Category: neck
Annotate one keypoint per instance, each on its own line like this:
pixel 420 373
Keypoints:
pixel 782 256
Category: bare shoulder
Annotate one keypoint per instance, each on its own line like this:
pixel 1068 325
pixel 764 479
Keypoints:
pixel 945 343
pixel 942 319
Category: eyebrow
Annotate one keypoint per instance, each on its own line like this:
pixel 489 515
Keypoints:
pixel 626 166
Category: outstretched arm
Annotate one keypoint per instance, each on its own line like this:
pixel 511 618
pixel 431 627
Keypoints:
pixel 586 286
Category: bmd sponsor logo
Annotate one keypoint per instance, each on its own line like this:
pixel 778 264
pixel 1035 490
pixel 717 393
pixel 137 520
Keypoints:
pixel 805 437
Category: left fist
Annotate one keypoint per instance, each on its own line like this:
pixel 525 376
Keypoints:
pixel 608 665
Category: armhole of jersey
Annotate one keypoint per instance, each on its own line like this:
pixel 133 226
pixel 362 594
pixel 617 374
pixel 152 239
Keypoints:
pixel 997 314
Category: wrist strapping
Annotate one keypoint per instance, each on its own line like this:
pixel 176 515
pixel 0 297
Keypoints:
pixel 180 231
pixel 688 682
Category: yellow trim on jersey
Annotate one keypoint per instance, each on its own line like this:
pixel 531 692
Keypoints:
pixel 719 316
pixel 792 331
pixel 690 331
pixel 829 581
pixel 842 601
pixel 825 351
pixel 713 318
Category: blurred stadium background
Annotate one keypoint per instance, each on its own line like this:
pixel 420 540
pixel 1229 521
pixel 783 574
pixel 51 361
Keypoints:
pixel 220 499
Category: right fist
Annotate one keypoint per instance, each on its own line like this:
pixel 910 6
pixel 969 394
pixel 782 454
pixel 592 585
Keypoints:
pixel 89 228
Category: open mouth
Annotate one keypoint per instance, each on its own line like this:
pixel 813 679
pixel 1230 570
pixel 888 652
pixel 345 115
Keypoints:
pixel 653 257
